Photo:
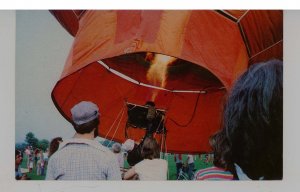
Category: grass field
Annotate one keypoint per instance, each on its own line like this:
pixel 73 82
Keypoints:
pixel 32 175
pixel 199 164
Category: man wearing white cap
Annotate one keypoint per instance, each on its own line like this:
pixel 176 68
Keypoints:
pixel 83 158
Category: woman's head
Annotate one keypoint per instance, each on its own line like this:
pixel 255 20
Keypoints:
pixel 54 144
pixel 150 149
pixel 252 123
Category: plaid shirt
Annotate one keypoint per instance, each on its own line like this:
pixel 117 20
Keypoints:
pixel 82 159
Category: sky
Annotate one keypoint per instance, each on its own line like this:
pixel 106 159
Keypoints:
pixel 42 46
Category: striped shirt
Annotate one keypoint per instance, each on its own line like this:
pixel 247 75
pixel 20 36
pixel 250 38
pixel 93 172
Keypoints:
pixel 83 159
pixel 213 173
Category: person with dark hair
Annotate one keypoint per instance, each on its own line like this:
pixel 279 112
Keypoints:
pixel 250 144
pixel 133 150
pixel 18 161
pixel 83 158
pixel 152 167
pixel 54 145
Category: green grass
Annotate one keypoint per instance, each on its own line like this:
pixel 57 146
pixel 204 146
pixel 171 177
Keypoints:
pixel 199 164
pixel 32 175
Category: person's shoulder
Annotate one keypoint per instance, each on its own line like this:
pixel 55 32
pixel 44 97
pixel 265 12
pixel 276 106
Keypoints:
pixel 161 161
pixel 213 173
pixel 207 169
pixel 91 143
pixel 54 157
pixel 101 148
pixel 165 162
pixel 102 151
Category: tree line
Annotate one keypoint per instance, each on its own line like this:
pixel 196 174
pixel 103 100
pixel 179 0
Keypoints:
pixel 31 140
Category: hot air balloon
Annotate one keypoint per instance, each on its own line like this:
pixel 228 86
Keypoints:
pixel 184 61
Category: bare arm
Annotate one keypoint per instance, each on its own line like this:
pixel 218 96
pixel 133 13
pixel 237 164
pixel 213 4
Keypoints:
pixel 129 174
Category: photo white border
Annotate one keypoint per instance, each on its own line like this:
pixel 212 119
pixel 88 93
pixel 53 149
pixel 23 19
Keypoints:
pixel 291 127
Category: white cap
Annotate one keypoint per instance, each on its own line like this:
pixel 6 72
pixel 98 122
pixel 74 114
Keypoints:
pixel 84 112
pixel 128 145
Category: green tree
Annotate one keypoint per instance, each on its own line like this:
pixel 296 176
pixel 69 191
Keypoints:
pixel 43 144
pixel 20 146
pixel 31 140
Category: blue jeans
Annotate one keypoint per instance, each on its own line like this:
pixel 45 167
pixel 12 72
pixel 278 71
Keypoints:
pixel 191 170
pixel 178 167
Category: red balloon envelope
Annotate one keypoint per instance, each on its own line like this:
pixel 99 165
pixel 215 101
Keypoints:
pixel 114 52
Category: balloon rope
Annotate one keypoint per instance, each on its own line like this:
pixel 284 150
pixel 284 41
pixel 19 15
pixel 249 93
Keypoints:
pixel 158 126
pixel 114 122
pixel 161 144
pixel 165 143
pixel 186 124
pixel 166 151
pixel 265 49
pixel 117 126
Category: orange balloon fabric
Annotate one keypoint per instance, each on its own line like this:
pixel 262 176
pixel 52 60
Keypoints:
pixel 212 49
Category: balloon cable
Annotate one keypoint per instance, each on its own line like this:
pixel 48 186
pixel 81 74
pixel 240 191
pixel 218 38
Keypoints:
pixel 192 117
pixel 122 109
pixel 117 126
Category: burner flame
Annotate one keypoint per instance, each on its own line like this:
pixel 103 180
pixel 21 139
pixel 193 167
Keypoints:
pixel 157 73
